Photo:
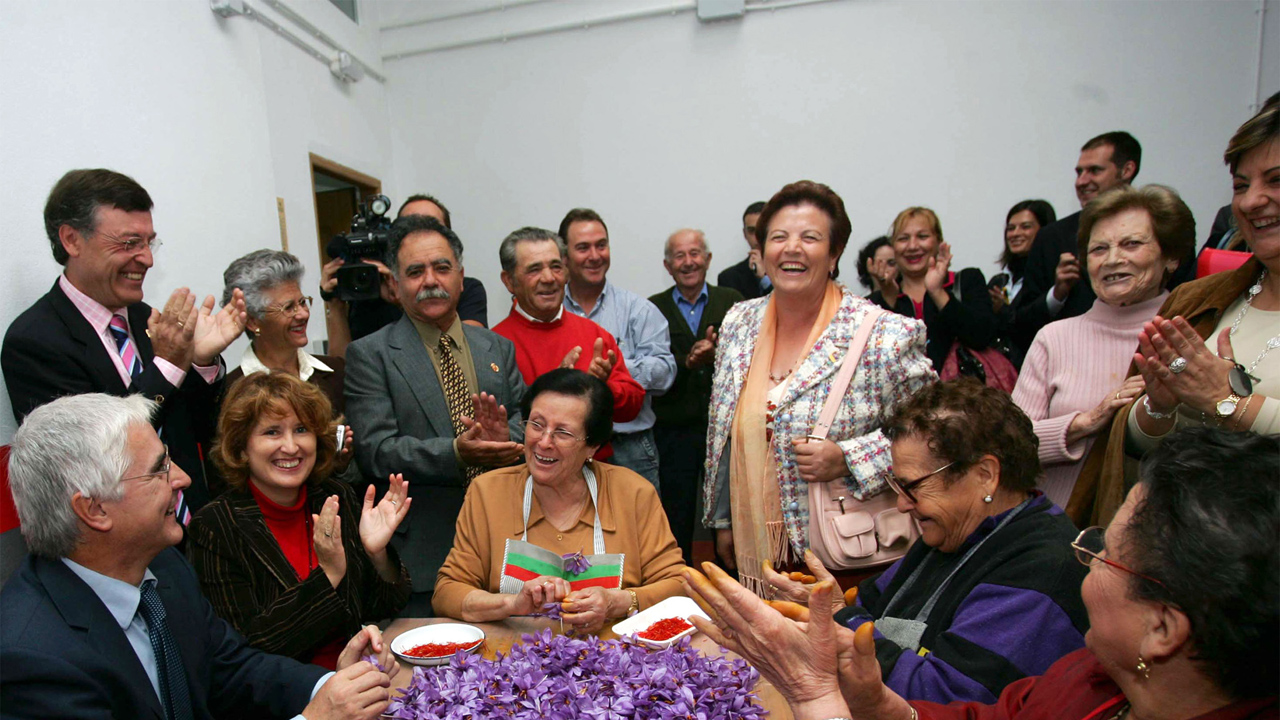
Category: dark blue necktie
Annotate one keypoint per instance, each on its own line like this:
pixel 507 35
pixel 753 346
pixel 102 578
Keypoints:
pixel 174 694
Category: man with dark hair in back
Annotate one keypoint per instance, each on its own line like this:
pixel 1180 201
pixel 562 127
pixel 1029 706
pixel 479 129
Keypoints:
pixel 93 333
pixel 747 277
pixel 366 316
pixel 1055 286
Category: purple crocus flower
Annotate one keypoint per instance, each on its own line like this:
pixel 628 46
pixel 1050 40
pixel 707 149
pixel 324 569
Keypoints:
pixel 554 676
pixel 576 563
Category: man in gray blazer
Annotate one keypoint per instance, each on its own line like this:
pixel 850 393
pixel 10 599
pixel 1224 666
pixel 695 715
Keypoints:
pixel 432 398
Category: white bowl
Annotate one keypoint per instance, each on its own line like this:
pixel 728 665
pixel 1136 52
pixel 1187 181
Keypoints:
pixel 439 633
pixel 673 607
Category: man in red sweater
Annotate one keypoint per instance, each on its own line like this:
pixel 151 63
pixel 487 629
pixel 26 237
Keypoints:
pixel 545 336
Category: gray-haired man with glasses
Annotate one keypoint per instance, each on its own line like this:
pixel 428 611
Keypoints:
pixel 105 618
pixel 93 333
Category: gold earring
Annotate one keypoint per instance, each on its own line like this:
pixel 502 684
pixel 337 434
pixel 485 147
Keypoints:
pixel 1143 668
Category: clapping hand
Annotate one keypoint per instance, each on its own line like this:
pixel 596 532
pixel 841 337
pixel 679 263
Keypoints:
pixel 486 442
pixel 1205 378
pixel 602 361
pixel 703 352
pixel 937 271
pixel 379 522
pixel 215 331
pixel 172 329
pixel 326 536
pixel 798 659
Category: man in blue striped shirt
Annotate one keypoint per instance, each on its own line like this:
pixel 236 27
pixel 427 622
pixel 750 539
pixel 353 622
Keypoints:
pixel 640 329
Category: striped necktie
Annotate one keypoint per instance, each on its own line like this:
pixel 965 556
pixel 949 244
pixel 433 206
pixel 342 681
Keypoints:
pixel 124 345
pixel 175 696
pixel 129 355
pixel 455 393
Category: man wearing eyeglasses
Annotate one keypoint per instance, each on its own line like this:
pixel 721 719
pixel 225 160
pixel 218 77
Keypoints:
pixel 92 332
pixel 105 618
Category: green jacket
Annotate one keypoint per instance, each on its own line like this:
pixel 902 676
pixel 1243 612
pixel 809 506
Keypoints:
pixel 689 398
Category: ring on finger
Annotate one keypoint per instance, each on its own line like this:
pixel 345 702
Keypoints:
pixel 1178 365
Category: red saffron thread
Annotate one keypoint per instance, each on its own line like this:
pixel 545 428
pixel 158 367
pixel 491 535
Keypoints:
pixel 435 650
pixel 665 629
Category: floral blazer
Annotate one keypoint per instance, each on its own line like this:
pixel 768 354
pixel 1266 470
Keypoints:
pixel 891 369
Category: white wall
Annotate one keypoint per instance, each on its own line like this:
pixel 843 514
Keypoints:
pixel 214 117
pixel 966 107
pixel 658 123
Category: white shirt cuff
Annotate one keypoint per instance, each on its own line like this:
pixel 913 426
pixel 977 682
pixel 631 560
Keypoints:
pixel 319 683
pixel 1055 305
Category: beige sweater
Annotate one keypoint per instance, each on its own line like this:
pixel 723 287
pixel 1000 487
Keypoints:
pixel 631 517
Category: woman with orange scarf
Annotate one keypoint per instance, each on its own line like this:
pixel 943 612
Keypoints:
pixel 775 364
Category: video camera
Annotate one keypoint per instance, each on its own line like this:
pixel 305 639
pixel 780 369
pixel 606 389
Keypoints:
pixel 357 279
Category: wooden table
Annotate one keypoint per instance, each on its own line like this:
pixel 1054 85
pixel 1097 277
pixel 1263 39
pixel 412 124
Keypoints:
pixel 500 636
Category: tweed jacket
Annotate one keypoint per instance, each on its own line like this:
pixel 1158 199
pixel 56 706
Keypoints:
pixel 891 369
pixel 251 584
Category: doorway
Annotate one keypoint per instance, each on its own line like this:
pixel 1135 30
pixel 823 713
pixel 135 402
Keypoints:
pixel 338 192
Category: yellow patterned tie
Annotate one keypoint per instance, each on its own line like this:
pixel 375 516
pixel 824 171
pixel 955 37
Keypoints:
pixel 455 393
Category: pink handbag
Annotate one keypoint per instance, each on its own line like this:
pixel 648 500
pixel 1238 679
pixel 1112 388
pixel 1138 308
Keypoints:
pixel 844 532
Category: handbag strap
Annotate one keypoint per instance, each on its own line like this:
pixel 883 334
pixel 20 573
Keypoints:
pixel 847 369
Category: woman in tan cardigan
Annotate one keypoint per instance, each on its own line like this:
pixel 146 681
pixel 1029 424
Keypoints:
pixel 560 501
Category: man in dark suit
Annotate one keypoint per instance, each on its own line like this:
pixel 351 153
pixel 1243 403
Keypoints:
pixel 694 311
pixel 747 277
pixel 105 618
pixel 431 397
pixel 93 333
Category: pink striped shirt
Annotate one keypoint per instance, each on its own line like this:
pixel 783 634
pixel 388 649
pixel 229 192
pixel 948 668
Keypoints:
pixel 99 318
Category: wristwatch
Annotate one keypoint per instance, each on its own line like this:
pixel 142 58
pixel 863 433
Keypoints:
pixel 1227 406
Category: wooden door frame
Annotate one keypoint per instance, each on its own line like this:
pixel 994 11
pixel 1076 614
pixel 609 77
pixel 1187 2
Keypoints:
pixel 335 311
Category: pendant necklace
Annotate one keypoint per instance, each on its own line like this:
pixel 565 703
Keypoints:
pixel 1273 343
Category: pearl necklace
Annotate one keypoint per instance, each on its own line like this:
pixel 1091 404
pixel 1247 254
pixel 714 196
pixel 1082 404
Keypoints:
pixel 1274 342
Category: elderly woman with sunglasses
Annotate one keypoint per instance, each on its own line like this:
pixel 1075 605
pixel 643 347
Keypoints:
pixel 278 314
pixel 1182 594
pixel 518 525
pixel 990 593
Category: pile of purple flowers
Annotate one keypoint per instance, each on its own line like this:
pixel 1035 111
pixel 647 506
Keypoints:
pixel 559 677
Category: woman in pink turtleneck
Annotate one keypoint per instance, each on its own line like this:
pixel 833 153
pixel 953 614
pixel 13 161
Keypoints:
pixel 1073 380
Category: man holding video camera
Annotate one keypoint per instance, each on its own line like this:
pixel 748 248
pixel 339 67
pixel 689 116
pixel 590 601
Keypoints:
pixel 353 319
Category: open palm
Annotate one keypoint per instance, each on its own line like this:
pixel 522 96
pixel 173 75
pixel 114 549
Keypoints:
pixel 379 522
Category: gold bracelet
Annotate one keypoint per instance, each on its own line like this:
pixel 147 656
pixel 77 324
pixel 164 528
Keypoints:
pixel 635 604
pixel 1243 409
